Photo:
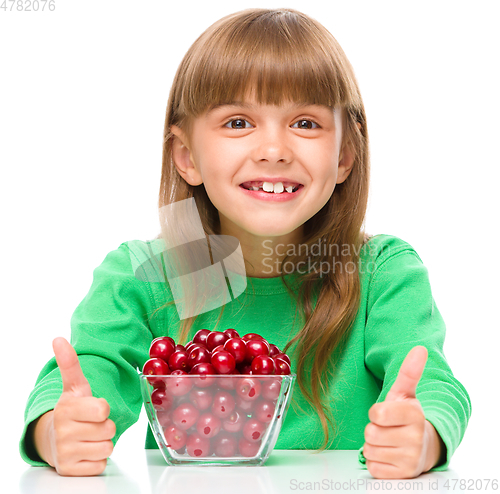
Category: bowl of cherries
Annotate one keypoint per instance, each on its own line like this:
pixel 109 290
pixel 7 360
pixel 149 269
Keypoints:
pixel 218 400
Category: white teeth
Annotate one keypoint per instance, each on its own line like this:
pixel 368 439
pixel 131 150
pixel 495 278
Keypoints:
pixel 278 188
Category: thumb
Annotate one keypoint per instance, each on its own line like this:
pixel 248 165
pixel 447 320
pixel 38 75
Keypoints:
pixel 409 375
pixel 72 376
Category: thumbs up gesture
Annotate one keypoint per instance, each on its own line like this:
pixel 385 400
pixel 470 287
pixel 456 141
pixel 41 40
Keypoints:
pixel 399 441
pixel 75 437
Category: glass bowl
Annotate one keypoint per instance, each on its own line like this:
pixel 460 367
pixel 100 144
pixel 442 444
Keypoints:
pixel 216 419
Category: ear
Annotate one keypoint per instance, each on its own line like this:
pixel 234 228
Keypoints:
pixel 183 158
pixel 346 161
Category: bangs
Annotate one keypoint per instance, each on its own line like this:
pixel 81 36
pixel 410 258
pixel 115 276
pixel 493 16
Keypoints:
pixel 276 56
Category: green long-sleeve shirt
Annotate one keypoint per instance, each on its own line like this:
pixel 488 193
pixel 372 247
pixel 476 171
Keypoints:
pixel 113 327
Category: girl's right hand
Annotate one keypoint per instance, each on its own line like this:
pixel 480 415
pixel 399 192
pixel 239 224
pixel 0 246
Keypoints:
pixel 75 437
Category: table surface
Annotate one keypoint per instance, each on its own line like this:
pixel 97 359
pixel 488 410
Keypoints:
pixel 284 471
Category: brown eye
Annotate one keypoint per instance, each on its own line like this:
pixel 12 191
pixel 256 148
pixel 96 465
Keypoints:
pixel 237 123
pixel 305 124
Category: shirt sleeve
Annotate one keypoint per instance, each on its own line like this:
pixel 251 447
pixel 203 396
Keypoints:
pixel 401 314
pixel 110 331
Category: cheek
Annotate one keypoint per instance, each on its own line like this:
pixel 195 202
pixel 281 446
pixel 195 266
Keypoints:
pixel 217 159
pixel 327 168
pixel 230 151
pixel 322 156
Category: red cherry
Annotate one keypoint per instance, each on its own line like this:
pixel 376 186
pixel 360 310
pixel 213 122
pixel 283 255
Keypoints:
pixel 217 349
pixel 203 368
pixel 228 382
pixel 164 418
pixel 190 346
pixel 235 421
pixel 264 411
pixel 231 333
pixel 201 336
pixel 225 445
pixel 248 388
pixel 216 338
pixel 247 448
pixel 262 364
pixel 198 355
pixel 244 406
pixel 208 425
pixel 253 430
pixel 175 438
pixel 162 348
pixel 179 347
pixel 165 338
pixel 281 367
pixel 223 362
pixel 159 383
pixel 271 388
pixel 237 348
pixel 161 400
pixel 205 372
pixel 255 348
pixel 252 336
pixel 273 350
pixel 202 399
pixel 223 404
pixel 197 446
pixel 156 367
pixel 178 385
pixel 245 368
pixel 178 360
pixel 185 416
pixel 285 357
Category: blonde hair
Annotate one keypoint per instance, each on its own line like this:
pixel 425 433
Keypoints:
pixel 283 54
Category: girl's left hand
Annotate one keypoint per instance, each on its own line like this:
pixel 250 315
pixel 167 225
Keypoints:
pixel 399 442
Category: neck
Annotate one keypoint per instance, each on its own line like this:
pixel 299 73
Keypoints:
pixel 264 254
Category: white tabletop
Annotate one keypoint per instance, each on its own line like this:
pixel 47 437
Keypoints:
pixel 284 471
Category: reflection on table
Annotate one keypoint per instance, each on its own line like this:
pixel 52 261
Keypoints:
pixel 284 471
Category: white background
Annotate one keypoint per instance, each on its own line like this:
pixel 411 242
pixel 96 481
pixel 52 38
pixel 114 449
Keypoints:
pixel 83 95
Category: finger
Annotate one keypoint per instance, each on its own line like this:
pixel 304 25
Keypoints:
pixel 83 409
pixel 396 413
pixel 72 376
pixel 409 375
pixel 382 454
pixel 95 450
pixel 92 431
pixel 398 436
pixel 83 468
pixel 102 431
pixel 95 432
pixel 391 463
pixel 381 470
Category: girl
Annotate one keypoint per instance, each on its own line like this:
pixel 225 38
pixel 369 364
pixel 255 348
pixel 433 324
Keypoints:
pixel 266 132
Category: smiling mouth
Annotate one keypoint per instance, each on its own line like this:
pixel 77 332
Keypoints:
pixel 269 187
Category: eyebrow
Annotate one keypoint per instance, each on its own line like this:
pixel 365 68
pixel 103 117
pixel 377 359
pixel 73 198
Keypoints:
pixel 249 106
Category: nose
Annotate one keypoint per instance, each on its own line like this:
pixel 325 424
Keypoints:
pixel 273 146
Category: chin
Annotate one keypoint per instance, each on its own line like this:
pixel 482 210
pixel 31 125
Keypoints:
pixel 259 227
pixel 270 231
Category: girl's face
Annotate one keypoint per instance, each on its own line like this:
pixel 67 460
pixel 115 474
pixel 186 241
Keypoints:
pixel 246 142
